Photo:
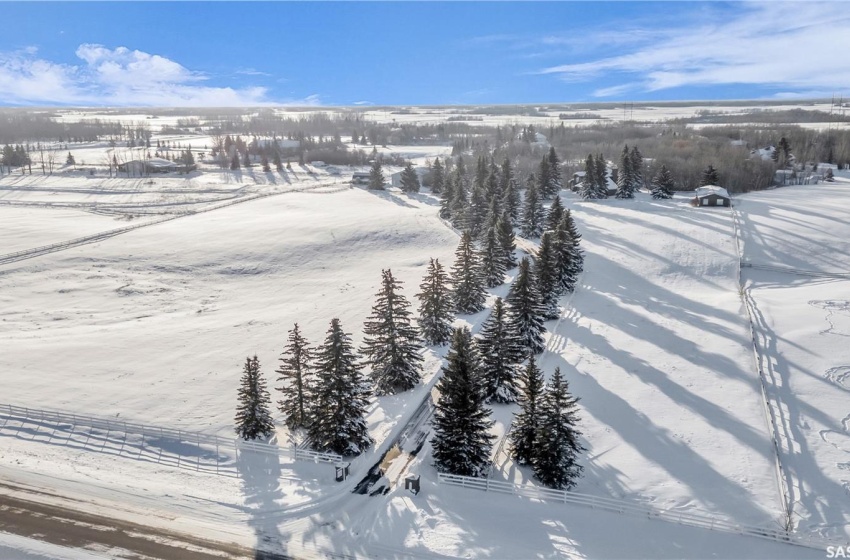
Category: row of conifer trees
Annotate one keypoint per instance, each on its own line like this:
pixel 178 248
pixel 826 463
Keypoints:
pixel 325 393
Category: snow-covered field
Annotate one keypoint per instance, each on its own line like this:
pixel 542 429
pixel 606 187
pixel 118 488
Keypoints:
pixel 803 321
pixel 153 326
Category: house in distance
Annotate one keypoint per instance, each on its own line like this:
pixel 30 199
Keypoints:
pixel 711 195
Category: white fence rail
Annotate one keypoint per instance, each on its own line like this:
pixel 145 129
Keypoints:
pixel 629 508
pixel 179 448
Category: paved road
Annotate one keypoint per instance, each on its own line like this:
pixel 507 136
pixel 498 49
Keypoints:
pixel 67 527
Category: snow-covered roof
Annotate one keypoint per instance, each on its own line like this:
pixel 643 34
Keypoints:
pixel 579 174
pixel 711 189
pixel 154 162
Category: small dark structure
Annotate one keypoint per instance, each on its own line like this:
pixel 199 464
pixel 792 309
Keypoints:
pixel 360 178
pixel 411 482
pixel 711 195
pixel 342 471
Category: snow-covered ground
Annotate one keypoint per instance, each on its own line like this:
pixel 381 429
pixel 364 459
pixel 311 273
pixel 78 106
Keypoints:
pixel 802 318
pixel 154 325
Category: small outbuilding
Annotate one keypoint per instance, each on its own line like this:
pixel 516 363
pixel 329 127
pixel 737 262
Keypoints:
pixel 360 178
pixel 711 195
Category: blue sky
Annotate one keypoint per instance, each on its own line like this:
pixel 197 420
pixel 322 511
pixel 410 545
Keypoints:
pixel 418 53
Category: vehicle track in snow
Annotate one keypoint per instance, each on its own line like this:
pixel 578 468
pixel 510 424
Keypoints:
pixel 17 256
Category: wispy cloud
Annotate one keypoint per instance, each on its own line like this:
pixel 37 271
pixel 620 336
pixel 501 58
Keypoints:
pixel 780 45
pixel 252 72
pixel 118 77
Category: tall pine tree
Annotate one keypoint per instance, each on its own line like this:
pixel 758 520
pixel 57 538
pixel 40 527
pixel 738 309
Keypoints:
pixel 410 179
pixel 636 159
pixel 500 353
pixel 662 184
pixel 546 273
pixel 376 175
pixel 507 239
pixel 493 265
pixel 533 213
pixel 601 177
pixel 340 399
pixel 625 178
pixel 709 176
pixel 461 443
pixel 436 310
pixel 544 179
pixel 588 189
pixel 558 447
pixel 526 424
pixel 468 286
pixel 390 344
pixel 437 177
pixel 526 310
pixel 556 212
pixel 555 181
pixel 295 374
pixel 253 419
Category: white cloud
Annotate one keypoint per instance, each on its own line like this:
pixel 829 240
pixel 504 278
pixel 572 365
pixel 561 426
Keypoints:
pixel 118 77
pixel 774 44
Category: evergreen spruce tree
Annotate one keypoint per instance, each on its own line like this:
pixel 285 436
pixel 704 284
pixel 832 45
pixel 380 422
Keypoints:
pixel 662 184
pixel 556 212
pixel 709 176
pixel 447 196
pixel 637 168
pixel 601 176
pixel 555 181
pixel 253 419
pixel 390 344
pixel 533 213
pixel 476 216
pixel 500 353
pixel 506 176
pixel 295 374
pixel 410 179
pixel 568 223
pixel 565 251
pixel 494 191
pixel 507 239
pixel 278 164
pixel 558 447
pixel 625 179
pixel 468 286
pixel 526 311
pixel 437 177
pixel 587 188
pixel 493 265
pixel 376 176
pixel 461 443
pixel 70 159
pixel 511 201
pixel 547 275
pixel 264 161
pixel 234 162
pixel 459 207
pixel 436 310
pixel 526 424
pixel 340 398
pixel 544 178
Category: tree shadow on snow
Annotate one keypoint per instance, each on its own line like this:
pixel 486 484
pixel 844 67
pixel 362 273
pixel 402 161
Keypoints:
pixel 261 475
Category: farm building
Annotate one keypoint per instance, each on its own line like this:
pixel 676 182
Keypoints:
pixel 711 195
pixel 360 178
pixel 153 165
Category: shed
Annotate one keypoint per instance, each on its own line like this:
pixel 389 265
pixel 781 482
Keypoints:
pixel 711 195
pixel 360 178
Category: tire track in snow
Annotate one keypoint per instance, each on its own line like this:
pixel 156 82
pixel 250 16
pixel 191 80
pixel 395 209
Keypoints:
pixel 17 256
